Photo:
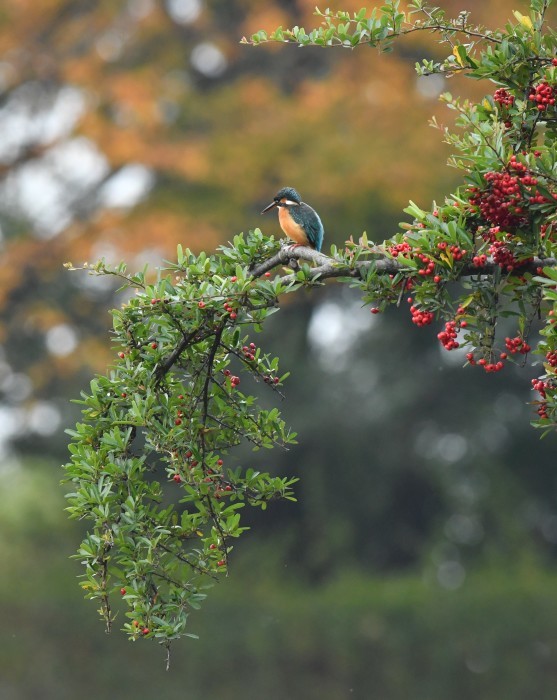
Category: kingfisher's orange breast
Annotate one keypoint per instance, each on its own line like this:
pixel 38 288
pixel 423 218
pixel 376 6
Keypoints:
pixel 291 228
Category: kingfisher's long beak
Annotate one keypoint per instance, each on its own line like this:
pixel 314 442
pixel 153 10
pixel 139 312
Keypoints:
pixel 271 205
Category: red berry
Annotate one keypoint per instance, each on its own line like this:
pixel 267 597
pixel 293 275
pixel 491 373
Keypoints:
pixel 177 421
pixel 503 97
pixel 123 591
pixel 221 563
pixel 154 346
pixel 212 546
pixel 267 274
pixel 233 315
pixel 121 355
pixel 145 631
pixel 220 462
pixel 234 279
pixel 177 478
pixel 201 305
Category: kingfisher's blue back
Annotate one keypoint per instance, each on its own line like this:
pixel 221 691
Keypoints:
pixel 310 221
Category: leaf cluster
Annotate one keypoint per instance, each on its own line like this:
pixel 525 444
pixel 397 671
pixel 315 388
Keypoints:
pixel 149 461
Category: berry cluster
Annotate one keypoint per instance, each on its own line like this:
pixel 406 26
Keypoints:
pixel 498 203
pixel 448 336
pixel 541 387
pixel 179 412
pixel 517 344
pixel 503 97
pixel 543 94
pixel 249 355
pixel 249 351
pixel 500 249
pixel 268 379
pixel 454 251
pixel 404 249
pixel 230 309
pixel 488 366
pixel 503 256
pixel 420 317
pixel 505 199
pixel 234 381
pixel 542 410
pixel 429 268
pixel 551 358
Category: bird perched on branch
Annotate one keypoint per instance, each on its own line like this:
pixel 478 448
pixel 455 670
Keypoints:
pixel 297 219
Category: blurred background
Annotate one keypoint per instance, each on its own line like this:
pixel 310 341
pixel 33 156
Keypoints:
pixel 419 561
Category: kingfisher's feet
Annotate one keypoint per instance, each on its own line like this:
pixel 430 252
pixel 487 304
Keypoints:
pixel 290 246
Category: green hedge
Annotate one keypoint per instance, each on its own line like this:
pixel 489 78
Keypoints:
pixel 392 639
pixel 265 634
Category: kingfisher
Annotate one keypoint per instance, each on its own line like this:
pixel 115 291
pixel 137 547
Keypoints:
pixel 297 219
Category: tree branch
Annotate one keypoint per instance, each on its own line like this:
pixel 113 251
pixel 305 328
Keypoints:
pixel 327 267
pixel 167 363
